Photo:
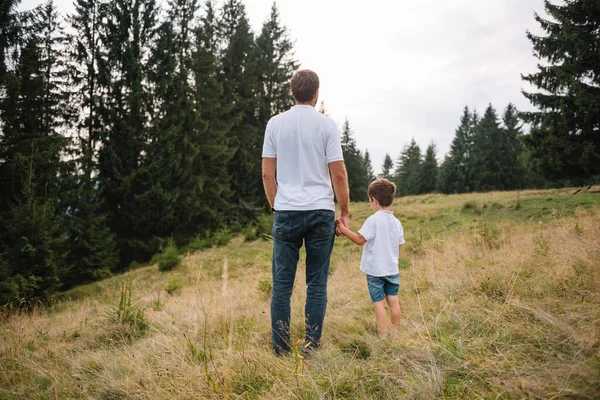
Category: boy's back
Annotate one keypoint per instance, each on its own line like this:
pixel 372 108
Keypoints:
pixel 383 233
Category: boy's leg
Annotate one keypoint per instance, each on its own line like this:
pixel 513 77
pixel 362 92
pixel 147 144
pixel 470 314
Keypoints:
pixel 394 310
pixel 380 317
pixel 376 291
pixel 319 240
pixel 286 250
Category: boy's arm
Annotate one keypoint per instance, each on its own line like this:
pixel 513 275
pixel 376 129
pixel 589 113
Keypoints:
pixel 357 238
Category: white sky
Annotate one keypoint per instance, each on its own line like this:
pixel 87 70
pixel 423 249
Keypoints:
pixel 399 69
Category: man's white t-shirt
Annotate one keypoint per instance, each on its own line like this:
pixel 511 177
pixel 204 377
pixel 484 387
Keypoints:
pixel 304 142
pixel 383 233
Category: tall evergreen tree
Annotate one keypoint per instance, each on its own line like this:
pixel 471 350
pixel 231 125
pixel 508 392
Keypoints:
pixel 276 65
pixel 407 171
pixel 565 135
pixel 33 110
pixel 127 30
pixel 510 150
pixel 240 80
pixel 457 168
pixel 92 251
pixel 429 171
pixel 387 168
pixel 369 167
pixel 355 165
pixel 215 152
pixel 487 163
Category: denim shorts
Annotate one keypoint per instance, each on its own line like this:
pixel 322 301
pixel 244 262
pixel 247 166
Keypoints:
pixel 380 286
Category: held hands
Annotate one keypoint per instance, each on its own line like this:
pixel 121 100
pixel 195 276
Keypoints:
pixel 341 226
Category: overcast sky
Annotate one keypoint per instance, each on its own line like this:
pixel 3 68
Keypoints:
pixel 399 69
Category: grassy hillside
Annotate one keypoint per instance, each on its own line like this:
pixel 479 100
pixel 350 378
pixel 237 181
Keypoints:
pixel 500 299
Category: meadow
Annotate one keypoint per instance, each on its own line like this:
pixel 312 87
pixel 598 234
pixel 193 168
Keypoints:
pixel 500 297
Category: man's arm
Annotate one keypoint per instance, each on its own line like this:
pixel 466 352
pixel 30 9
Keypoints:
pixel 268 176
pixel 339 178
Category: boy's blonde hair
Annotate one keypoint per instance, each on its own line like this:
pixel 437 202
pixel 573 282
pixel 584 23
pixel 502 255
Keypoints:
pixel 382 190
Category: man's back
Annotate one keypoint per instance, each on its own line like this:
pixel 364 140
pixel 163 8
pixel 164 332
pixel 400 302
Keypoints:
pixel 303 141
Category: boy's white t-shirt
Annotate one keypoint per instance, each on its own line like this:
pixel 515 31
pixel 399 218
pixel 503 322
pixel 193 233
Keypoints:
pixel 383 233
pixel 304 142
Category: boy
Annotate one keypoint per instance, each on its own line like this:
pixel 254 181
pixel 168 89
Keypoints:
pixel 382 235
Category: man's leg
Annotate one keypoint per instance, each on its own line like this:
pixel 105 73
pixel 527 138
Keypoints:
pixel 319 241
pixel 286 249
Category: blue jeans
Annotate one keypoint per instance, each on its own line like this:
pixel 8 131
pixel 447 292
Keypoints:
pixel 290 228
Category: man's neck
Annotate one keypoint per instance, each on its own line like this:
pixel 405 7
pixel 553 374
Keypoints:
pixel 382 209
pixel 305 103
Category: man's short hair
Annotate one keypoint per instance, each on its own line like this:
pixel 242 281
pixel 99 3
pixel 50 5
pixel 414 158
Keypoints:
pixel 304 84
pixel 382 190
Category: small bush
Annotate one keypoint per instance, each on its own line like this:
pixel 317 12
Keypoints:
pixel 128 318
pixel 169 259
pixel 250 233
pixel 265 286
pixel 264 225
pixel 222 237
pixel 173 285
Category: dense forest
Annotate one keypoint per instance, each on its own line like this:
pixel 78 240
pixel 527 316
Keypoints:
pixel 128 125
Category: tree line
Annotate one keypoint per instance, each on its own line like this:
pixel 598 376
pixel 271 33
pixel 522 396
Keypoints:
pixel 125 125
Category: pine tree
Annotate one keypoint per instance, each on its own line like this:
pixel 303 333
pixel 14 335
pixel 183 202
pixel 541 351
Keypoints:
pixel 565 135
pixel 457 169
pixel 215 153
pixel 408 166
pixel 487 164
pixel 386 168
pixel 276 64
pixel 126 32
pixel 92 251
pixel 240 80
pixel 355 165
pixel 322 109
pixel 370 174
pixel 511 150
pixel 33 111
pixel 429 171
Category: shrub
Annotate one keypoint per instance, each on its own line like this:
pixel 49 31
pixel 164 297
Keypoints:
pixel 169 259
pixel 250 233
pixel 264 225
pixel 128 318
pixel 173 285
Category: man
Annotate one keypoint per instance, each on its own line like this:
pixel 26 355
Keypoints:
pixel 302 156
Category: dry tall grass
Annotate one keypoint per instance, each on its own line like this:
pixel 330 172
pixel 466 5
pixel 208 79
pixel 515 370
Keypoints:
pixel 507 309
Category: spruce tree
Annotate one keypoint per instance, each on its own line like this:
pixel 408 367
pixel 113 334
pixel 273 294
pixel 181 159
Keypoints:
pixel 429 171
pixel 92 251
pixel 457 168
pixel 33 110
pixel 355 165
pixel 487 164
pixel 127 30
pixel 370 174
pixel 511 150
pixel 386 168
pixel 407 171
pixel 215 153
pixel 276 65
pixel 565 134
pixel 239 78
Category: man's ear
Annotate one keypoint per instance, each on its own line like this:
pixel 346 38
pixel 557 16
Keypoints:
pixel 316 98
